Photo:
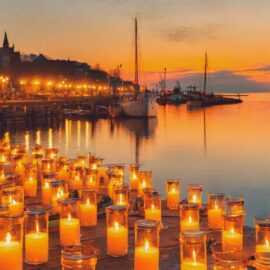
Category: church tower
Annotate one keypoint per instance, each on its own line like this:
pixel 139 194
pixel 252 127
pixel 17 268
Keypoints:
pixel 5 43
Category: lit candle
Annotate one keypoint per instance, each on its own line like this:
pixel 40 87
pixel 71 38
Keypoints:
pixel 263 248
pixel 77 182
pixel 36 246
pixel 69 231
pixel 153 213
pixel 88 214
pixel 15 208
pixel 195 194
pixel 173 198
pixel 193 264
pixel 215 217
pixel 10 254
pixel 146 257
pixel 232 240
pixel 117 239
pixel 46 193
pixel 189 224
pixel 30 186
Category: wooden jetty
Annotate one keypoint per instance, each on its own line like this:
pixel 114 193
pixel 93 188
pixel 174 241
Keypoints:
pixel 169 242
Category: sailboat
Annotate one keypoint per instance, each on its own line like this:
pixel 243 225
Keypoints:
pixel 142 104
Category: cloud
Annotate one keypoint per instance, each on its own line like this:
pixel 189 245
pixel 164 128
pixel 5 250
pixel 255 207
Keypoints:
pixel 222 81
pixel 192 32
pixel 265 68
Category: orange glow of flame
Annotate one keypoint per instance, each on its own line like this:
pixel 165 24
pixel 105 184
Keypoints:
pixel 194 256
pixel 190 219
pixel 8 238
pixel 37 227
pixel 194 198
pixel 146 245
pixel 116 225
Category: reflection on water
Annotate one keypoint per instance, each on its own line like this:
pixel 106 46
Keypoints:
pixel 225 148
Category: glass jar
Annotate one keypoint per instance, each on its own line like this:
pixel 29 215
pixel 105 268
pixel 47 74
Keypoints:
pixel 134 176
pixel 11 242
pixel 117 231
pixel 91 179
pixel 69 224
pixel 52 153
pixel 173 193
pixel 48 166
pixel 215 210
pixel 36 236
pixel 145 181
pixel 88 207
pixel 146 244
pixel 46 188
pixel 80 257
pixel 193 250
pixel 232 232
pixel 113 181
pixel 121 194
pixel 235 205
pixel 189 217
pixel 63 171
pixel 262 227
pixel 30 181
pixel 13 197
pixel 195 194
pixel 59 192
pixel 152 206
pixel 76 181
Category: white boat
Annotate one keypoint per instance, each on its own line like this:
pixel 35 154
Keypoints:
pixel 143 105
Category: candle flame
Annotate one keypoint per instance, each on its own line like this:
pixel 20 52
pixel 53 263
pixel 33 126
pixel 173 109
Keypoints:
pixel 91 179
pixel 94 166
pixel 266 242
pixel 216 205
pixel 30 179
pixel 152 206
pixel 120 198
pixel 194 256
pixel 173 190
pixel 69 217
pixel 232 230
pixel 8 238
pixel 116 225
pixel 146 245
pixel 134 176
pixel 144 183
pixel 37 227
pixel 194 198
pixel 47 185
pixel 87 202
pixel 190 219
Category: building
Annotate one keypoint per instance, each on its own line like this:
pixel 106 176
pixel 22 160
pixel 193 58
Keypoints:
pixel 9 58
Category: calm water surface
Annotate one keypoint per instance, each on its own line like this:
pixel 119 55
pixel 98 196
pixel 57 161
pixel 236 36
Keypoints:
pixel 225 148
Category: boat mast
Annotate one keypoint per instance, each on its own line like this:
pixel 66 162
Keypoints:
pixel 205 72
pixel 165 82
pixel 136 58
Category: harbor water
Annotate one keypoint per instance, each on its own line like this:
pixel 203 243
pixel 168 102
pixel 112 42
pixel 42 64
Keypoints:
pixel 225 148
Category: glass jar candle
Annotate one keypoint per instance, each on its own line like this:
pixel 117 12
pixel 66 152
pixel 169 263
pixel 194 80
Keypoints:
pixel 173 193
pixel 48 166
pixel 146 244
pixel 91 179
pixel 52 153
pixel 145 181
pixel 235 205
pixel 134 176
pixel 152 206
pixel 262 227
pixel 59 192
pixel 215 210
pixel 121 194
pixel 13 197
pixel 79 257
pixel 229 265
pixel 94 162
pixel 77 179
pixel 30 181
pixel 36 236
pixel 189 217
pixel 11 242
pixel 232 232
pixel 46 188
pixel 195 194
pixel 80 162
pixel 117 231
pixel 102 176
pixel 88 207
pixel 113 181
pixel 69 224
pixel 193 250
pixel 63 171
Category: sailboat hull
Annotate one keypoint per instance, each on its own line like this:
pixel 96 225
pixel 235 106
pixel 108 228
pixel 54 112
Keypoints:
pixel 142 107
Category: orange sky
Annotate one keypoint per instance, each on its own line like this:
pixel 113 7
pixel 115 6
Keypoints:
pixel 172 33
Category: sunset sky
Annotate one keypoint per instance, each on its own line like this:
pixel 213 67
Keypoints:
pixel 172 33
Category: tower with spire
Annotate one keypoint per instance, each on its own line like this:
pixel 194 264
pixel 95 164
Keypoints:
pixel 9 58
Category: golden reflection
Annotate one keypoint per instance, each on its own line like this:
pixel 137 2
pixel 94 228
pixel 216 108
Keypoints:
pixel 50 138
pixel 79 133
pixel 26 140
pixel 38 137
pixel 86 134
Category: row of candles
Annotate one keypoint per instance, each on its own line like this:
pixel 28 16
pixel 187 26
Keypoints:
pixel 57 177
